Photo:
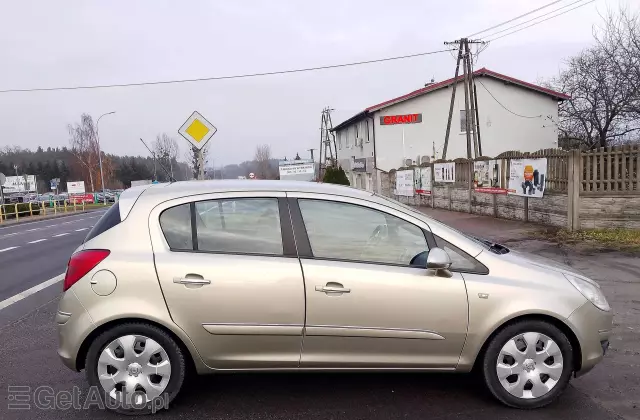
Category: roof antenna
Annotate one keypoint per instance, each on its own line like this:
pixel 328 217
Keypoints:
pixel 171 179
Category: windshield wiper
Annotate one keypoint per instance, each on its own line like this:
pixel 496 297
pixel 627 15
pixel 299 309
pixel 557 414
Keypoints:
pixel 493 246
pixel 498 248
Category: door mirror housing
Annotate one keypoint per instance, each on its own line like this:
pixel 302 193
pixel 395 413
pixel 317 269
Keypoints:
pixel 438 259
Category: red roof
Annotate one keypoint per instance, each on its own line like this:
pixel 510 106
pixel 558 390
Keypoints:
pixel 480 72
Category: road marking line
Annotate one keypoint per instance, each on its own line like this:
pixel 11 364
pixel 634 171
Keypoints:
pixel 80 230
pixel 11 234
pixel 17 298
pixel 9 249
pixel 60 234
pixel 36 241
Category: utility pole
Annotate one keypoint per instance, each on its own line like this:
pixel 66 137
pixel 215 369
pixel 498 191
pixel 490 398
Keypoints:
pixel 328 150
pixel 470 99
pixel 311 151
pixel 104 196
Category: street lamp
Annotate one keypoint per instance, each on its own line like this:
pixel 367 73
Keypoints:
pixel 104 196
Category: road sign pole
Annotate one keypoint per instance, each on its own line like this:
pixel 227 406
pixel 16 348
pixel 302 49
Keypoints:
pixel 200 164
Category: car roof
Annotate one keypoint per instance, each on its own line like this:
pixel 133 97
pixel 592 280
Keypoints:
pixel 184 188
pixel 157 193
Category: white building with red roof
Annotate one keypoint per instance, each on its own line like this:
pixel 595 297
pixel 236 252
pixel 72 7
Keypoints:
pixel 512 114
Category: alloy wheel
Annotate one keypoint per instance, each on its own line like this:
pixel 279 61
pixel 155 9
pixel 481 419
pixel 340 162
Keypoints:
pixel 134 369
pixel 529 365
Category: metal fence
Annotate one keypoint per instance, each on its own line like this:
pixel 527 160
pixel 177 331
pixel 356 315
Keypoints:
pixel 21 210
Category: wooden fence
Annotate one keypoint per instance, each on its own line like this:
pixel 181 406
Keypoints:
pixel 610 170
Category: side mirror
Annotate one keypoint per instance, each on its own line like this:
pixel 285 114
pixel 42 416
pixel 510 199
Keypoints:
pixel 438 259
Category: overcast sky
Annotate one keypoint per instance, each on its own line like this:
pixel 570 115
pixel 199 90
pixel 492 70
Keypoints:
pixel 46 43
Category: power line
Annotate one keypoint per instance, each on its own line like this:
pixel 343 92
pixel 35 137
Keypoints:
pixel 237 76
pixel 500 103
pixel 541 21
pixel 531 20
pixel 516 18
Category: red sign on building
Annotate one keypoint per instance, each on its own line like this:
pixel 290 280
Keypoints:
pixel 401 119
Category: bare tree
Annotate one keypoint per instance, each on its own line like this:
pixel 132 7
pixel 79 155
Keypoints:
pixel 604 84
pixel 166 150
pixel 262 158
pixel 619 39
pixel 84 145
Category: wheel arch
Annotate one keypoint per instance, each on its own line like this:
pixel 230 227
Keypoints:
pixel 562 326
pixel 193 359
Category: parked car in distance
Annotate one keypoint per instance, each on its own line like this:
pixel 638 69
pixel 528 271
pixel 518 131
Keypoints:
pixel 232 275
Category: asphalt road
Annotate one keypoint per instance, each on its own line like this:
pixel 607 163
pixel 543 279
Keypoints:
pixel 28 358
pixel 31 253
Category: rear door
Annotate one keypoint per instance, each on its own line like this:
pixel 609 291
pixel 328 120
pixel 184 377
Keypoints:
pixel 229 271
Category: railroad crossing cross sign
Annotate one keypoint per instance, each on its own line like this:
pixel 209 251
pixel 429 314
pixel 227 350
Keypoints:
pixel 197 130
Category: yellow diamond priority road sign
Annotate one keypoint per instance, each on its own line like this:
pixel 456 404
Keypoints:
pixel 197 130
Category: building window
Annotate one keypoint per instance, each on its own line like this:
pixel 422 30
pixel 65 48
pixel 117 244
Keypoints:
pixel 367 126
pixel 340 134
pixel 463 121
pixel 347 143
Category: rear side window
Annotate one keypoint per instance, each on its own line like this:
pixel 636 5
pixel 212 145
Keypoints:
pixel 110 219
pixel 176 226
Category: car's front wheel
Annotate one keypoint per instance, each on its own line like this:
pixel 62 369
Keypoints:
pixel 528 364
pixel 136 368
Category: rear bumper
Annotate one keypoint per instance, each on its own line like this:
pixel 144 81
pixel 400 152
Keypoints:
pixel 593 330
pixel 74 324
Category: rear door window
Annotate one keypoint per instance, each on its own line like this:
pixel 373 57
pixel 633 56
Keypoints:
pixel 110 219
pixel 244 225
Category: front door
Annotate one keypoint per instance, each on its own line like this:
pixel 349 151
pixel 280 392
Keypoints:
pixel 371 303
pixel 231 278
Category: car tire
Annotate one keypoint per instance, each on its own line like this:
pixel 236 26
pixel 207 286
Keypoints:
pixel 528 373
pixel 171 349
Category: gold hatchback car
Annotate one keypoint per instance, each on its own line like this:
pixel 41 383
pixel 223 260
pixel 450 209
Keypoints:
pixel 298 276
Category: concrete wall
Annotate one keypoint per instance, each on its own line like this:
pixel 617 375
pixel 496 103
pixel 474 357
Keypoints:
pixel 550 210
pixel 570 207
pixel 611 211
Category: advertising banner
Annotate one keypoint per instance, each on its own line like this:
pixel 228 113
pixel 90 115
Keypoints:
pixel 404 183
pixel 527 177
pixel 487 177
pixel 359 165
pixel 81 198
pixel 22 183
pixel 76 187
pixel 444 172
pixel 422 181
pixel 299 170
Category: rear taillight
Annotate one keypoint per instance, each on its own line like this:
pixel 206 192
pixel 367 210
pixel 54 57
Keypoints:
pixel 81 263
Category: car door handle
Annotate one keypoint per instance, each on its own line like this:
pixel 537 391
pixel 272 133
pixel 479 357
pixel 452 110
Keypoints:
pixel 333 288
pixel 191 279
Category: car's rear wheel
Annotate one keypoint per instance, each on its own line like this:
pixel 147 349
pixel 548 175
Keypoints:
pixel 528 364
pixel 137 368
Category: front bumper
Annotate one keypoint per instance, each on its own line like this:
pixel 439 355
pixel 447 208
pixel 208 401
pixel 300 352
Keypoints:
pixel 74 324
pixel 593 330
